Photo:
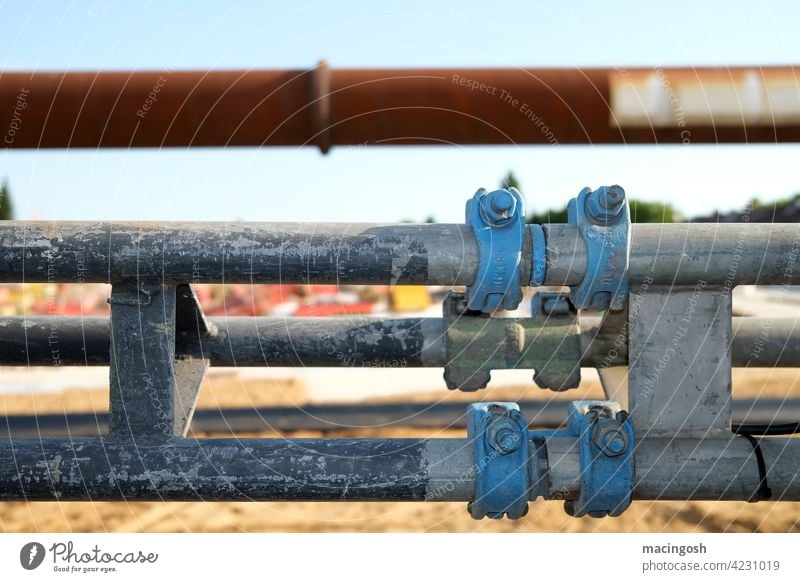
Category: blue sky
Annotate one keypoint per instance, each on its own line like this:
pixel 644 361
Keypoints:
pixel 386 183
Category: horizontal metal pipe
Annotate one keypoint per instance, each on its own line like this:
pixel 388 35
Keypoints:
pixel 238 252
pixel 684 469
pixel 238 341
pixel 333 417
pixel 235 469
pixel 758 342
pixel 325 341
pixel 688 253
pixel 325 107
pixel 344 342
pixel 766 342
pixel 365 469
pixel 425 254
pixel 715 469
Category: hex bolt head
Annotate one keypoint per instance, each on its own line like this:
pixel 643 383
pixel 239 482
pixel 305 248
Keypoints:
pixel 502 201
pixel 504 436
pixel 507 440
pixel 615 443
pixel 611 439
pixel 499 206
pixel 612 197
pixel 605 204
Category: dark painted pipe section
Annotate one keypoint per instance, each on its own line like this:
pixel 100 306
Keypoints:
pixel 325 107
pixel 333 417
pixel 238 252
pixel 362 469
pixel 323 341
pixel 344 342
pixel 231 469
pixel 238 341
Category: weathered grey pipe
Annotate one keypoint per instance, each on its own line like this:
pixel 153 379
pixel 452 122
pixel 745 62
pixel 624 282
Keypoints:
pixel 237 252
pixel 683 469
pixel 715 469
pixel 344 342
pixel 235 469
pixel 687 253
pixel 433 254
pixel 364 469
pixel 238 341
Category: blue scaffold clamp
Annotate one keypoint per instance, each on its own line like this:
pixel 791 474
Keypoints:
pixel 604 222
pixel 499 435
pixel 606 442
pixel 498 220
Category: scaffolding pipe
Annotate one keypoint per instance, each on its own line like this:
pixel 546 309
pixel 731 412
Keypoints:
pixel 365 469
pixel 337 417
pixel 677 254
pixel 354 341
pixel 325 107
pixel 722 255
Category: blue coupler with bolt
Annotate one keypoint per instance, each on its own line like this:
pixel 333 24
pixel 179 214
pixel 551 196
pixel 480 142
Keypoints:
pixel 605 438
pixel 499 435
pixel 498 220
pixel 504 466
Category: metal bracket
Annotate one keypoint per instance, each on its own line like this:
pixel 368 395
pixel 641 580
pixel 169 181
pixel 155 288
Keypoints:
pixel 191 326
pixel 498 221
pixel 499 435
pixel 606 442
pixel 141 367
pixel 603 219
pixel 153 384
pixel 476 344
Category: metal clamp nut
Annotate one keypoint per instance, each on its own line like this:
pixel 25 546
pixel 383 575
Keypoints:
pixel 504 435
pixel 611 438
pixel 498 207
pixel 605 204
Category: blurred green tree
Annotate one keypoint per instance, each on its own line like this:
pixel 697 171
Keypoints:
pixel 510 181
pixel 642 211
pixel 6 208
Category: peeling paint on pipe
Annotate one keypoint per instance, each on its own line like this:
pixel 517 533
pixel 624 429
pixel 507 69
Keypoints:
pixel 237 252
pixel 347 342
pixel 423 254
pixel 364 469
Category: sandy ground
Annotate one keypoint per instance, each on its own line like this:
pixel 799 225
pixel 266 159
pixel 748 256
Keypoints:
pixel 377 517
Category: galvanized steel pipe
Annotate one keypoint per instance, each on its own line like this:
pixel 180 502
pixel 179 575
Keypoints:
pixel 238 252
pixel 424 254
pixel 411 342
pixel 365 469
pixel 688 253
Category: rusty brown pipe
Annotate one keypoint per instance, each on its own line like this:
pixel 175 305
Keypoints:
pixel 326 107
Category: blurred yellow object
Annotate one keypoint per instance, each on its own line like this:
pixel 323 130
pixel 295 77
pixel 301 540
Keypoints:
pixel 410 298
